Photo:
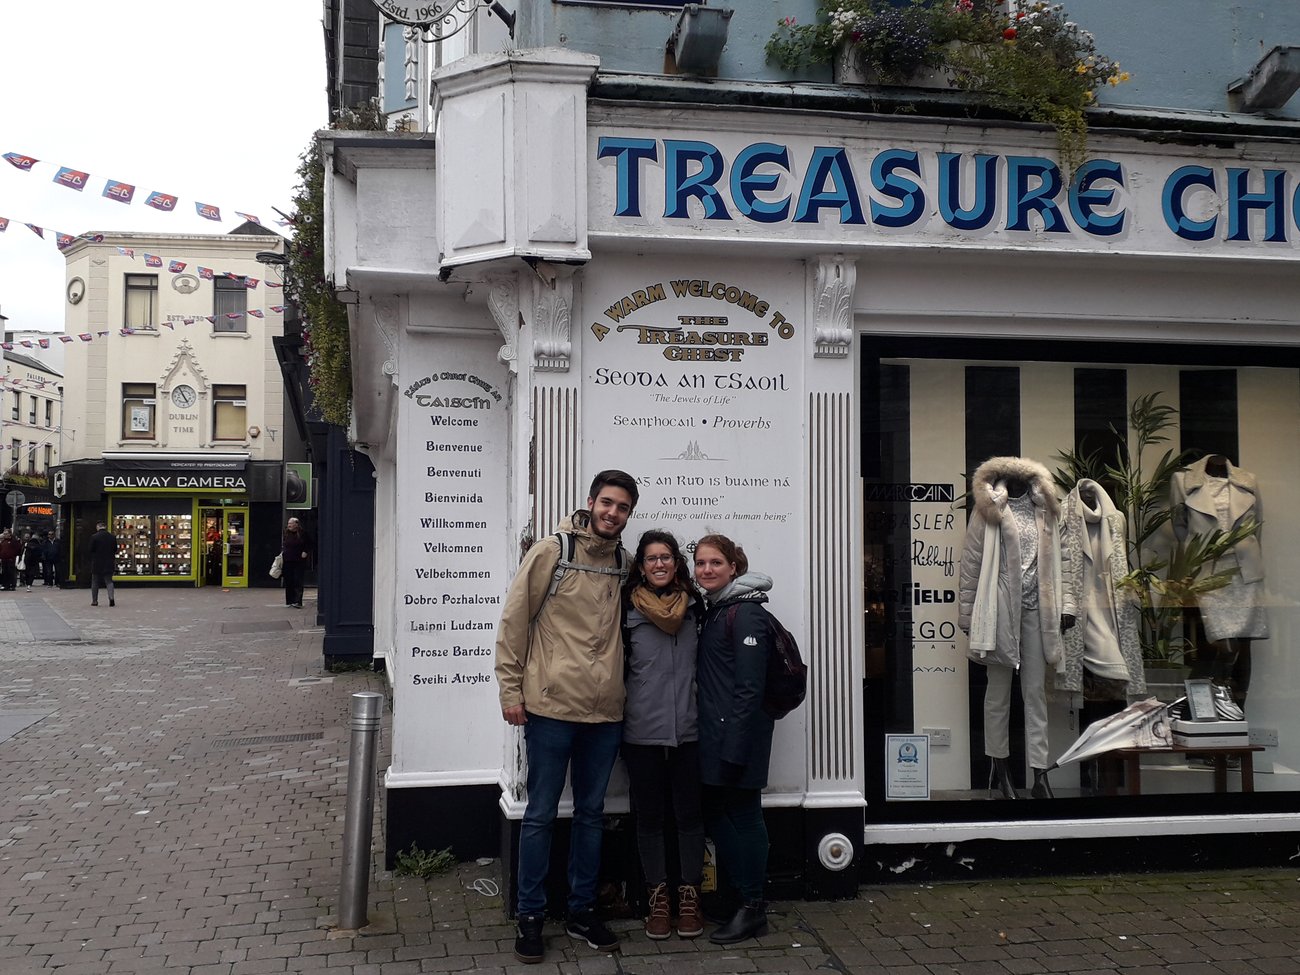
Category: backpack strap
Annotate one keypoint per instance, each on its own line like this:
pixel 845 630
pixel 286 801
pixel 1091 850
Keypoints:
pixel 568 548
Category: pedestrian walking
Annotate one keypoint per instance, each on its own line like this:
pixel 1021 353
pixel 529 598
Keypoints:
pixel 49 560
pixel 33 550
pixel 735 731
pixel 10 550
pixel 295 550
pixel 661 730
pixel 559 670
pixel 103 559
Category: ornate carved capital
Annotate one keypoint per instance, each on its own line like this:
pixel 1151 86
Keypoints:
pixel 833 325
pixel 503 304
pixel 552 322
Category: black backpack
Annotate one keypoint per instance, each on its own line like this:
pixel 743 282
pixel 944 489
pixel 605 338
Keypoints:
pixel 787 674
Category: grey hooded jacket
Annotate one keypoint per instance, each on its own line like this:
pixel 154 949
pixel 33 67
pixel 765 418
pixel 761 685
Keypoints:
pixel 661 704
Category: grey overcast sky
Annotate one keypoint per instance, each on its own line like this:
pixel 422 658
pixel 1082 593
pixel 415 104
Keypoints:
pixel 209 102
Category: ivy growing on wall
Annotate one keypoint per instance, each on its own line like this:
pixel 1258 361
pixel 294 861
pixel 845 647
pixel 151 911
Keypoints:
pixel 325 318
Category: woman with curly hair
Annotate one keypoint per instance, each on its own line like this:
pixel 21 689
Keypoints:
pixel 661 727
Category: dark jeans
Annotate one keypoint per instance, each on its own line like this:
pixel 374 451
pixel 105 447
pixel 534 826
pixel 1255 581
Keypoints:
pixel 734 818
pixel 656 776
pixel 8 574
pixel 292 573
pixel 587 752
pixel 98 579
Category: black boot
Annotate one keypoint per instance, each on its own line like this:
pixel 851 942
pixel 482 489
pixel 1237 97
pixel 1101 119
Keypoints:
pixel 1042 788
pixel 529 947
pixel 748 922
pixel 1000 786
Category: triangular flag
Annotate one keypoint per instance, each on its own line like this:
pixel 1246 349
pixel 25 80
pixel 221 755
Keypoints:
pixel 65 338
pixel 35 229
pixel 249 217
pixel 207 211
pixel 256 313
pixel 84 336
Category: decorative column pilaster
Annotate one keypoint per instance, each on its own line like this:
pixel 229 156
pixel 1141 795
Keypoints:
pixel 836 783
pixel 557 462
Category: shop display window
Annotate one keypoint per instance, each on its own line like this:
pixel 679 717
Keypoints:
pixel 152 543
pixel 1103 530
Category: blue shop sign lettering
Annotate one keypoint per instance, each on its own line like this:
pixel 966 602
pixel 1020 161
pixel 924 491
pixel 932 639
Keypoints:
pixel 966 190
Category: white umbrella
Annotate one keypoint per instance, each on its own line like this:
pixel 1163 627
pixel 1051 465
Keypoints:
pixel 1143 724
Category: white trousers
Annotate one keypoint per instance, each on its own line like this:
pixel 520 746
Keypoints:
pixel 1033 689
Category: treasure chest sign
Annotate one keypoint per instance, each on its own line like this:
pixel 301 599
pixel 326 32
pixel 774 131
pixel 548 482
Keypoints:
pixel 692 382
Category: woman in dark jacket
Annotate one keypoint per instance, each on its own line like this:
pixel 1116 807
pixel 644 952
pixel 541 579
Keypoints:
pixel 294 551
pixel 661 727
pixel 735 731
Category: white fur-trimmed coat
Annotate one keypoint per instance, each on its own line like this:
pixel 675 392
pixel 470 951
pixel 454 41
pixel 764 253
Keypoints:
pixel 989 596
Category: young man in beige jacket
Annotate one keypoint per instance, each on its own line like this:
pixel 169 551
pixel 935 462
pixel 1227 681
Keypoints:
pixel 559 669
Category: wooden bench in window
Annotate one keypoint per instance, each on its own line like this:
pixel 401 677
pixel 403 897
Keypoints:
pixel 1131 759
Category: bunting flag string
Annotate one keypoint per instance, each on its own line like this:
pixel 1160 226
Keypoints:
pixel 231 316
pixel 122 192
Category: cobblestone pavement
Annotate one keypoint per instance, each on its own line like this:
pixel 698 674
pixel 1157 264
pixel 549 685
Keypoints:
pixel 171 800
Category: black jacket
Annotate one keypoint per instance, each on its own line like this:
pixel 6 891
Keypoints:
pixel 735 731
pixel 103 552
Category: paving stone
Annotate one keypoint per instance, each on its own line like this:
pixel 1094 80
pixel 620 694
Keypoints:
pixel 131 843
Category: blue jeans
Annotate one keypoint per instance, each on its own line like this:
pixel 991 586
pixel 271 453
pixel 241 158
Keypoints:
pixel 587 752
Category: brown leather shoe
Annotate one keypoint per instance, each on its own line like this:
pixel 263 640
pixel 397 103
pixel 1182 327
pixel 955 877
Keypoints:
pixel 657 925
pixel 688 912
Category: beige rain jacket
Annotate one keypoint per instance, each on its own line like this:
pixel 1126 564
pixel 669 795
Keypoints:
pixel 570 666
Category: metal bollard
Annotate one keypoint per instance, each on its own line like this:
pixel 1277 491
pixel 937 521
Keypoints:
pixel 367 710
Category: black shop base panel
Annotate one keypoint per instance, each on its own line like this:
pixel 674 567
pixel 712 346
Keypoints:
pixel 468 820
pixel 982 859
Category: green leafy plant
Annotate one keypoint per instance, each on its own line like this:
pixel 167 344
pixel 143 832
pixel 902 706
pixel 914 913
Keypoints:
pixel 325 334
pixel 1045 68
pixel 1164 580
pixel 417 862
pixel 1033 63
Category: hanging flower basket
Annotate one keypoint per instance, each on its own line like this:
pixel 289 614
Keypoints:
pixel 1032 63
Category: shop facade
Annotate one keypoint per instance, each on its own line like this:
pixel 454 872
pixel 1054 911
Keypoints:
pixel 207 520
pixel 807 330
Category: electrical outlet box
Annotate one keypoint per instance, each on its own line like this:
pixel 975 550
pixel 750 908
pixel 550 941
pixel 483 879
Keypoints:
pixel 941 736
pixel 1264 736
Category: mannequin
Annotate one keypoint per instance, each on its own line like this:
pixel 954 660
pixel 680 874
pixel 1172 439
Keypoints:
pixel 1010 598
pixel 1210 494
pixel 1103 653
pixel 1094 557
